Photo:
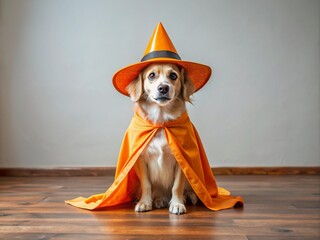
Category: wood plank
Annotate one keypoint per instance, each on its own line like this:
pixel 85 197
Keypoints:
pixel 58 172
pixel 110 171
pixel 276 207
pixel 156 230
pixel 65 236
pixel 267 170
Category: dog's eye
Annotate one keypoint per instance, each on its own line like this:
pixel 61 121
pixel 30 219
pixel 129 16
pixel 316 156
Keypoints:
pixel 173 76
pixel 152 76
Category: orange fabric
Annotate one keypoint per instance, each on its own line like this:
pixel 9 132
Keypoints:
pixel 187 148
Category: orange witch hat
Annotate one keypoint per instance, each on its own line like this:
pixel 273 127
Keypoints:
pixel 160 50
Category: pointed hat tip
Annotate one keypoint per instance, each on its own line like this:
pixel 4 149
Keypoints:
pixel 160 40
pixel 158 28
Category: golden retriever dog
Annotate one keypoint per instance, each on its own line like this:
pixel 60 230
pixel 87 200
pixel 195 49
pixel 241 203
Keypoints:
pixel 160 94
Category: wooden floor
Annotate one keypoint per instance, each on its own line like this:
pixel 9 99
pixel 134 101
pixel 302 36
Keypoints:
pixel 276 207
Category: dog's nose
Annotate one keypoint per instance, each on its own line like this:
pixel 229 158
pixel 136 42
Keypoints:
pixel 163 88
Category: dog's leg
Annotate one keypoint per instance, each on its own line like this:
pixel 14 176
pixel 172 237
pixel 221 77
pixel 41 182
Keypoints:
pixel 177 202
pixel 145 203
pixel 190 194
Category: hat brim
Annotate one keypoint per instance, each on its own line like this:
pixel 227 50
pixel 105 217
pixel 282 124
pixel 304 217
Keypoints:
pixel 198 73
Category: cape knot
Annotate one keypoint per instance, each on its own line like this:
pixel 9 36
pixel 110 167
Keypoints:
pixel 183 120
pixel 159 126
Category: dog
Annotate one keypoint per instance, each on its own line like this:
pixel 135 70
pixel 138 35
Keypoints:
pixel 160 84
pixel 160 94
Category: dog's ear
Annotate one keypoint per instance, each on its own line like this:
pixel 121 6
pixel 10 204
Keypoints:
pixel 187 87
pixel 135 88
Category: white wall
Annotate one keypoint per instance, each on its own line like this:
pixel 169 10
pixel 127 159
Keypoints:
pixel 58 107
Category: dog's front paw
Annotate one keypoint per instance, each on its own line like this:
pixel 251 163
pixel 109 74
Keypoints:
pixel 177 208
pixel 143 206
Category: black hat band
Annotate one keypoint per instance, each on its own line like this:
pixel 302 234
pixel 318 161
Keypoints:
pixel 160 54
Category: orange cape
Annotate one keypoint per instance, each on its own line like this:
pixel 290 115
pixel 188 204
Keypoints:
pixel 187 149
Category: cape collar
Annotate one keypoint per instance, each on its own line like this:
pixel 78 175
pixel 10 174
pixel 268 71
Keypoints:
pixel 147 123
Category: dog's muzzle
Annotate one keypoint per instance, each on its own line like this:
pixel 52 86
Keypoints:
pixel 163 89
pixel 163 93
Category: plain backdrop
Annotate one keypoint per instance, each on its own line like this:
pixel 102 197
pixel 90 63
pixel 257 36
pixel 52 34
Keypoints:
pixel 58 107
